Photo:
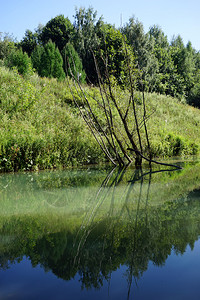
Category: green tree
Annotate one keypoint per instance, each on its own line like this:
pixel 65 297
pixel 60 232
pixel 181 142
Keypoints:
pixel 143 47
pixel 86 38
pixel 158 36
pixel 29 42
pixel 20 60
pixel 136 37
pixel 113 48
pixel 36 58
pixel 51 62
pixel 73 63
pixel 169 82
pixel 177 42
pixel 194 94
pixel 48 61
pixel 58 30
pixel 7 44
pixel 184 60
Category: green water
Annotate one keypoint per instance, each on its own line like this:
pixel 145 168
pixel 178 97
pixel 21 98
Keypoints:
pixel 101 233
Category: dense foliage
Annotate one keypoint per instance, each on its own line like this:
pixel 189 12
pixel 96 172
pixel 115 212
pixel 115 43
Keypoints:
pixel 20 60
pixel 40 126
pixel 31 134
pixel 167 67
pixel 48 61
pixel 73 63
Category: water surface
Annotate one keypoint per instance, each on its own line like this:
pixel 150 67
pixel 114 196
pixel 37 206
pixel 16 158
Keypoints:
pixel 101 234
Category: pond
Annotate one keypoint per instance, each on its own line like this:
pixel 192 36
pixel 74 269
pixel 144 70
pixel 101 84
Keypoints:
pixel 99 233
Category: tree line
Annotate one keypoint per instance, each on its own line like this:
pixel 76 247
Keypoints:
pixel 62 48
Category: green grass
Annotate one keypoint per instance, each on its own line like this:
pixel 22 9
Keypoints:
pixel 40 127
pixel 174 126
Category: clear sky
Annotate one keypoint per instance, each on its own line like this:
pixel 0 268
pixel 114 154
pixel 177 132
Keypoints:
pixel 173 16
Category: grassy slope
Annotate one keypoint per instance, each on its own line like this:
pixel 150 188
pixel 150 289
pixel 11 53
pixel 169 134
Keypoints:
pixel 37 128
pixel 173 122
pixel 41 128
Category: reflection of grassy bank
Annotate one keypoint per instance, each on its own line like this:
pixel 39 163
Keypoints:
pixel 70 195
pixel 97 232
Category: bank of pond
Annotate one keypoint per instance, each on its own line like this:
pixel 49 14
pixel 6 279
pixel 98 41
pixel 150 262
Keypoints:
pixel 42 128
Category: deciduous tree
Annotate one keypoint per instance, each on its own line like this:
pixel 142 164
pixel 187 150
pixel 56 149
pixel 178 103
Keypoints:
pixel 86 38
pixel 58 30
pixel 29 42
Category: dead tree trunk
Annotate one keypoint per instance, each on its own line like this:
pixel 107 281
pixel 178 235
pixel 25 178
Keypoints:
pixel 120 130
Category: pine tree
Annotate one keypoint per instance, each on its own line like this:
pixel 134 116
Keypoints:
pixel 73 63
pixel 48 61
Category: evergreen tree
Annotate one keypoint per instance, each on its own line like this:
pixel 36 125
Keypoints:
pixel 73 63
pixel 48 61
pixel 36 58
pixel 159 37
pixel 177 42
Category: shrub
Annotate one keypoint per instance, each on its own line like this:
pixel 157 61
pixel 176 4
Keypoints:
pixel 194 96
pixel 20 60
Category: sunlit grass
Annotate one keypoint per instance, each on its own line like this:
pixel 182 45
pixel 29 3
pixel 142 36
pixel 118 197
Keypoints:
pixel 40 127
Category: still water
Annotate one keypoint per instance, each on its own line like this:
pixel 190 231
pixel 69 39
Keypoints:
pixel 101 234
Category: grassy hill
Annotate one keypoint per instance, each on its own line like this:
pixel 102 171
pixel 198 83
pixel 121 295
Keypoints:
pixel 41 128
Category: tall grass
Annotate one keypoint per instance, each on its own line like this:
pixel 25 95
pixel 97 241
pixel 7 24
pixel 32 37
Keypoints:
pixel 174 126
pixel 41 128
pixel 37 128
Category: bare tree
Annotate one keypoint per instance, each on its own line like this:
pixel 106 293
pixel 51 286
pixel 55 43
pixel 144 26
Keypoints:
pixel 121 130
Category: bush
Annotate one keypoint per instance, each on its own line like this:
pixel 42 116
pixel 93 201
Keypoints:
pixel 194 96
pixel 174 145
pixel 20 60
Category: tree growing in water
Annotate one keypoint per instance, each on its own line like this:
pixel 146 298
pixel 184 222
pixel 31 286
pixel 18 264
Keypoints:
pixel 119 127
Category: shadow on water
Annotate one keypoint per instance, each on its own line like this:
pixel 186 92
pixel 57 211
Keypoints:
pixel 131 218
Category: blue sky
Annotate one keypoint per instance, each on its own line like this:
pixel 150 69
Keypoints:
pixel 173 16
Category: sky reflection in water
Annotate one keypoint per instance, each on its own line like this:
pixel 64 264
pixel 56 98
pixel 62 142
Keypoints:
pixel 85 235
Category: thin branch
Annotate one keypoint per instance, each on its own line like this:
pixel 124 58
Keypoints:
pixel 103 147
pixel 108 113
pixel 132 96
pixel 155 161
pixel 93 115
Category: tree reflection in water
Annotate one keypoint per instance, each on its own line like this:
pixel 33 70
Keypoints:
pixel 131 234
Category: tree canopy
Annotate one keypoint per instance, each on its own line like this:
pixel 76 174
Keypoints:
pixel 48 61
pixel 166 67
pixel 58 30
